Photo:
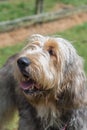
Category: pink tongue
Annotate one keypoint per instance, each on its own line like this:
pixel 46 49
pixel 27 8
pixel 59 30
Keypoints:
pixel 26 85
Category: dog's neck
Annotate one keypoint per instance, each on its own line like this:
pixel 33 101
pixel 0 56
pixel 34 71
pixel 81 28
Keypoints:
pixel 50 115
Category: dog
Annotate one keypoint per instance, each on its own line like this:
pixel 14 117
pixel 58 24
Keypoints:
pixel 51 77
pixel 48 86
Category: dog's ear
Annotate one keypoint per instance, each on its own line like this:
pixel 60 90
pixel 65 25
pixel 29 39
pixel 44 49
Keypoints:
pixel 71 93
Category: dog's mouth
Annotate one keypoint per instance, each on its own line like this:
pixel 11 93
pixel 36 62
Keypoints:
pixel 29 86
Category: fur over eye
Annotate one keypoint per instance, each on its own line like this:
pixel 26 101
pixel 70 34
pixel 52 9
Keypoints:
pixel 51 52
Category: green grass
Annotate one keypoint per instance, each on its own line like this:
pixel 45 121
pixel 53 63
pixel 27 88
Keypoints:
pixel 10 9
pixel 13 124
pixel 49 4
pixel 73 2
pixel 8 51
pixel 16 9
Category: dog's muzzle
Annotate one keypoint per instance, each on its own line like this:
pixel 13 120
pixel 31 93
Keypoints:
pixel 27 84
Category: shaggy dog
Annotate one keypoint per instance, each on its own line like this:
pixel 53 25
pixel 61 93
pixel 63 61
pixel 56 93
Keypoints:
pixel 49 88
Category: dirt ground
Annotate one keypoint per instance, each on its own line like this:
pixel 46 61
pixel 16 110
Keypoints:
pixel 18 35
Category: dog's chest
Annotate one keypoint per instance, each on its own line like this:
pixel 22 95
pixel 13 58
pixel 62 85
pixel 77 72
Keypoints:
pixel 49 115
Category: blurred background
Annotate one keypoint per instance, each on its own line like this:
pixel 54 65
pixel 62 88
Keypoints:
pixel 21 18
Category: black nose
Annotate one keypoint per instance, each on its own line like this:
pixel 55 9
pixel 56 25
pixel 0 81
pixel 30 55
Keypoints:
pixel 23 62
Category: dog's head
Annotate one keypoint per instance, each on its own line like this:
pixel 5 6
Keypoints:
pixel 49 65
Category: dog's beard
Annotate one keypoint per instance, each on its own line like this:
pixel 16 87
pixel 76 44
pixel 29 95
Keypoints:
pixel 31 82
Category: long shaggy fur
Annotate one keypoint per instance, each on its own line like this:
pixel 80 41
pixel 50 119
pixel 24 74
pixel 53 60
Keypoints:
pixel 11 100
pixel 7 92
pixel 50 91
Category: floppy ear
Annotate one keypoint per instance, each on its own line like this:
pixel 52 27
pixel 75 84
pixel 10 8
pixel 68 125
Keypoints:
pixel 71 93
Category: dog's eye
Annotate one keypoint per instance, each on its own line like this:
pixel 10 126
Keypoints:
pixel 51 52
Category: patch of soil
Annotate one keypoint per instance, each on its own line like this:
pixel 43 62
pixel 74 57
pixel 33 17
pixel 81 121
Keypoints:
pixel 18 35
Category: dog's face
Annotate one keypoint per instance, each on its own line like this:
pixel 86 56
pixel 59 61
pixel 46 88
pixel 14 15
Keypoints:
pixel 48 65
pixel 38 66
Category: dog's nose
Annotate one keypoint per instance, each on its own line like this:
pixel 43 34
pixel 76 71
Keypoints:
pixel 23 62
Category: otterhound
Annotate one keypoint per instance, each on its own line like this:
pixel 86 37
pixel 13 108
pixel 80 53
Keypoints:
pixel 51 78
pixel 49 86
